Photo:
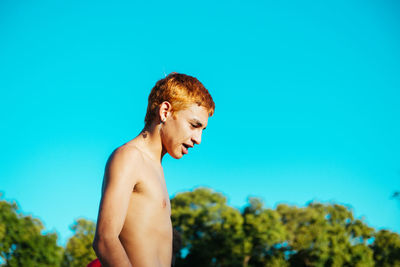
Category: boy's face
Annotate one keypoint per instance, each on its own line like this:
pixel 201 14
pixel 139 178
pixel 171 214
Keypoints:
pixel 183 129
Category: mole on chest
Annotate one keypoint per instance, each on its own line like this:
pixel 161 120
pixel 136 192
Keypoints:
pixel 164 203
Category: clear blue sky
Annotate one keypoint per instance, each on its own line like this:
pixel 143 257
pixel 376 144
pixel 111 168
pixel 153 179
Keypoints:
pixel 307 100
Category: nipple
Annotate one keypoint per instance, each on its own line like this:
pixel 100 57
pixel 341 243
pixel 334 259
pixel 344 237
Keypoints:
pixel 164 203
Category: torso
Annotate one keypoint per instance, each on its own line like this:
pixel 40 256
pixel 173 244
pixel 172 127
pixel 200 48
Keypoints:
pixel 147 231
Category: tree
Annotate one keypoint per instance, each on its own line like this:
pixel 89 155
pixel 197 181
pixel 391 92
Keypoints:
pixel 79 251
pixel 386 249
pixel 264 235
pixel 325 235
pixel 211 231
pixel 22 242
pixel 215 234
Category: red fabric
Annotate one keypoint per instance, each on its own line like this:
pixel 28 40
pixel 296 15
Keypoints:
pixel 95 263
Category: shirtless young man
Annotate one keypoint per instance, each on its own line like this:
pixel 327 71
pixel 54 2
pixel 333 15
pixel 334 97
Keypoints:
pixel 134 224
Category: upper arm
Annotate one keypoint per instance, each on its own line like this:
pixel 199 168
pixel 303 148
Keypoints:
pixel 121 176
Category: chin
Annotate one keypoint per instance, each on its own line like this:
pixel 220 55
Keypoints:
pixel 176 155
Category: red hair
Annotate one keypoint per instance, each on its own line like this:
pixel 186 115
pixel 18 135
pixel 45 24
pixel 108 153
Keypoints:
pixel 180 90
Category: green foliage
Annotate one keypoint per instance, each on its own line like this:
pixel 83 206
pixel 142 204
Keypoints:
pixel 79 251
pixel 215 234
pixel 325 235
pixel 386 249
pixel 261 244
pixel 211 229
pixel 21 240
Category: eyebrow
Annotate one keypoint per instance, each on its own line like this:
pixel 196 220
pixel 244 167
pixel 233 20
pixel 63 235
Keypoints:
pixel 197 123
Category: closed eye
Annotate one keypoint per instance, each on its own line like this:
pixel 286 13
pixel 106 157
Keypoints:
pixel 196 124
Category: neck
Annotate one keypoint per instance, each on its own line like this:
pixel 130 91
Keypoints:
pixel 149 140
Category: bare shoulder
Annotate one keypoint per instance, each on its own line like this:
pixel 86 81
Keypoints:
pixel 125 161
pixel 122 174
pixel 128 153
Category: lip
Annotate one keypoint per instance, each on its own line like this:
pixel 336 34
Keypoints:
pixel 184 150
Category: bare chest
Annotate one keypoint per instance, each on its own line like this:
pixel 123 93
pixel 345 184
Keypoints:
pixel 152 191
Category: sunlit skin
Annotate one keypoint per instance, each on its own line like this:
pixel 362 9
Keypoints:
pixel 134 223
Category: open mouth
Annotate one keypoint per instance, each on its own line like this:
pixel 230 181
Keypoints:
pixel 185 148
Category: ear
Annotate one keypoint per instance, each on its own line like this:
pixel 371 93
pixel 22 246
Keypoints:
pixel 165 110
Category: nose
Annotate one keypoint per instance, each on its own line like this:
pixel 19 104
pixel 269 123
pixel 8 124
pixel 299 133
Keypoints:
pixel 197 137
